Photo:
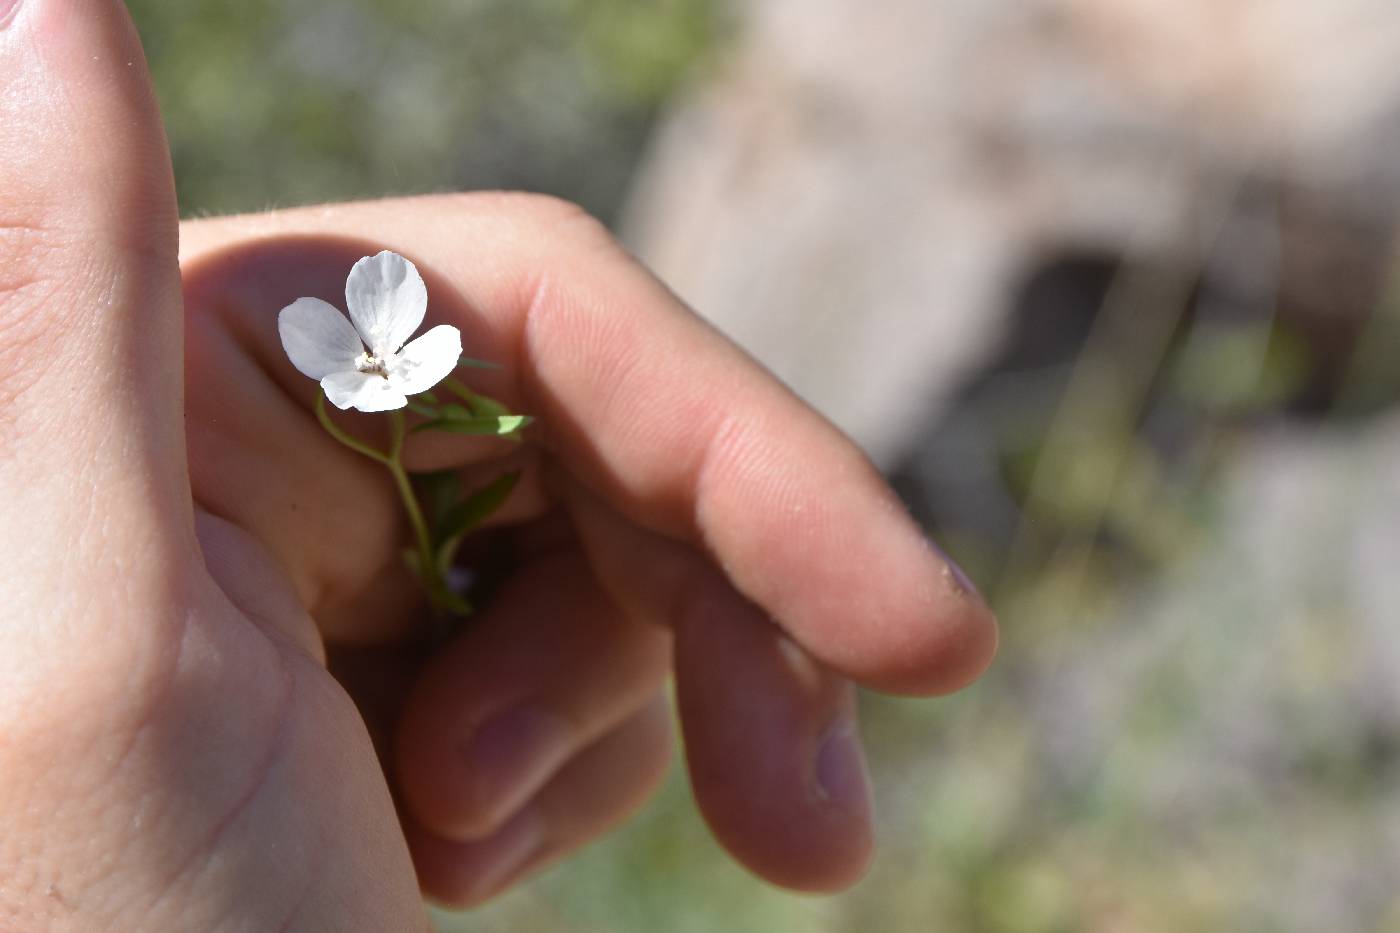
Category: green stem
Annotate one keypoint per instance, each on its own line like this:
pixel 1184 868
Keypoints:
pixel 334 431
pixel 428 568
pixel 428 565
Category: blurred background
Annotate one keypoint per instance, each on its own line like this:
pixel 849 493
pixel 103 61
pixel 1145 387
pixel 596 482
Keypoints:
pixel 1105 286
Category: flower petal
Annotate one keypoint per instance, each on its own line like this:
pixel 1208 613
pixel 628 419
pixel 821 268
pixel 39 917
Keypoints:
pixel 317 337
pixel 427 360
pixel 387 298
pixel 365 391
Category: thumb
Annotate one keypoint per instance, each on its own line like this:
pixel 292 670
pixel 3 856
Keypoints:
pixel 93 491
pixel 91 443
pixel 164 756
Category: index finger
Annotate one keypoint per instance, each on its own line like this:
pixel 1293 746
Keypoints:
pixel 668 422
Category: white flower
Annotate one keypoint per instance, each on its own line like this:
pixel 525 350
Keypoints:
pixel 387 300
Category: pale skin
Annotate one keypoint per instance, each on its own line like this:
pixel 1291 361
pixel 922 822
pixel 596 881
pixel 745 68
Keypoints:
pixel 189 548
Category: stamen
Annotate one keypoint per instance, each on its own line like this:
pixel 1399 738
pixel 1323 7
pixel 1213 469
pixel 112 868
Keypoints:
pixel 372 364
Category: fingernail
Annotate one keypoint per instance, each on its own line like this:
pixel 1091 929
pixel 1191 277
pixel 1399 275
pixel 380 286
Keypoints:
pixel 514 845
pixel 7 8
pixel 842 779
pixel 514 754
pixel 957 578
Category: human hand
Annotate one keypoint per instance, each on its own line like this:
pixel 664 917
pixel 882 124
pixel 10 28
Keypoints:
pixel 176 754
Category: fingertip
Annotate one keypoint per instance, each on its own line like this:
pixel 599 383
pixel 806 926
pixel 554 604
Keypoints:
pixel 79 76
pixel 907 620
pixel 937 649
pixel 459 875
pixel 809 530
pixel 865 592
pixel 89 207
pixel 606 783
pixel 772 747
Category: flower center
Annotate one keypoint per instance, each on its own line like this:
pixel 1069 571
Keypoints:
pixel 372 364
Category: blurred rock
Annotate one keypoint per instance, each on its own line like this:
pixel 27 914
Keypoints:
pixel 856 196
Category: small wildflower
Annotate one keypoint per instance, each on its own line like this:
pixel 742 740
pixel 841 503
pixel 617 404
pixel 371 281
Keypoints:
pixel 371 365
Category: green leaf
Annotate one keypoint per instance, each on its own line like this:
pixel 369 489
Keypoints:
pixel 480 404
pixel 454 603
pixel 510 424
pixel 454 412
pixel 503 425
pixel 481 415
pixel 486 406
pixel 470 363
pixel 477 507
pixel 469 513
pixel 438 493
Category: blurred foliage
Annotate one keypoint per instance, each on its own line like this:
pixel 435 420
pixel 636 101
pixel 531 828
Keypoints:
pixel 270 103
pixel 1177 718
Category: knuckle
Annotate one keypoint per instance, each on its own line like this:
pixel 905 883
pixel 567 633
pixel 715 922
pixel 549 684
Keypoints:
pixel 556 219
pixel 545 221
pixel 547 209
